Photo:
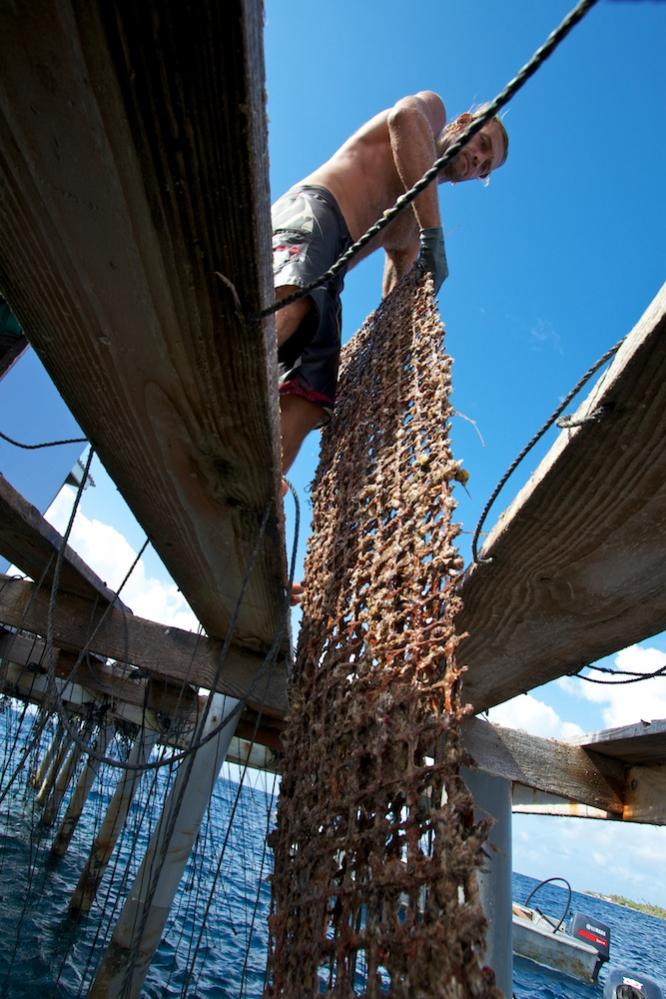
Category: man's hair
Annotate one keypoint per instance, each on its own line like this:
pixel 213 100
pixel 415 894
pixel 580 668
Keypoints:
pixel 460 123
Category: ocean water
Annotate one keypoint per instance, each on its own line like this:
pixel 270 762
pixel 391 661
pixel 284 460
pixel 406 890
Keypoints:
pixel 47 954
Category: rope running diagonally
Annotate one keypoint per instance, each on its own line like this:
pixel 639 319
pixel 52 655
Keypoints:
pixel 476 125
pixel 35 447
pixel 535 440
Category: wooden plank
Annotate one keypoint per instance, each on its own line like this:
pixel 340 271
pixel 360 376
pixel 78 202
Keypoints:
pixel 642 743
pixel 32 545
pixel 114 681
pixel 106 680
pixel 259 750
pixel 547 765
pixel 178 655
pixel 528 801
pixel 77 700
pixel 133 168
pixel 578 565
pixel 646 795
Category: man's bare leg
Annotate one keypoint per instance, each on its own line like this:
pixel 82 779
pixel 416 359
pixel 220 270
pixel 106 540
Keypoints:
pixel 297 416
pixel 288 320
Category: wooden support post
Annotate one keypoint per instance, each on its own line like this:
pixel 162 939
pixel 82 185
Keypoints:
pixel 492 798
pixel 116 813
pixel 38 778
pixel 141 923
pixel 80 796
pixel 38 727
pixel 64 778
pixel 49 780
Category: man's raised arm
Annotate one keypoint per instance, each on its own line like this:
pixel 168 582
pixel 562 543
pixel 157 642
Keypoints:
pixel 414 124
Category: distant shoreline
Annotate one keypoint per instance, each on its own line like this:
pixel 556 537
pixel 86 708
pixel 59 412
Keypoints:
pixel 650 910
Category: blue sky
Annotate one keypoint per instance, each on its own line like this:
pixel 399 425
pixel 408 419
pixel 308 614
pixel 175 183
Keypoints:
pixel 550 265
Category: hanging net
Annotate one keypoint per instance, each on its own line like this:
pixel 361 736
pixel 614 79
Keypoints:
pixel 374 890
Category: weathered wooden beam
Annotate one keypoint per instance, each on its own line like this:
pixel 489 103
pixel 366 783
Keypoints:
pixel 111 827
pixel 554 767
pixel 83 788
pixel 64 747
pixel 178 655
pixel 133 168
pixel 47 760
pixel 32 545
pixel 77 701
pixel 641 743
pixel 529 801
pixel 64 778
pixel 256 744
pixel 141 922
pixel 113 681
pixel 646 795
pixel 578 566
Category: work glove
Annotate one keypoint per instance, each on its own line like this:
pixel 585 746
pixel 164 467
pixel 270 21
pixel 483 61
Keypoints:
pixel 432 255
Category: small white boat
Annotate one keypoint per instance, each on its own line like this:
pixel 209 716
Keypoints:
pixel 579 949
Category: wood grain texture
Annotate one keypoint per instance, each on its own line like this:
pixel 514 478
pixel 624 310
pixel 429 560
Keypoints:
pixel 578 565
pixel 180 656
pixel 151 702
pixel 646 795
pixel 133 167
pixel 32 545
pixel 547 765
pixel 642 743
pixel 528 801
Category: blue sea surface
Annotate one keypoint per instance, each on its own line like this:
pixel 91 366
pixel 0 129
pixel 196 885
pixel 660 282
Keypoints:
pixel 47 954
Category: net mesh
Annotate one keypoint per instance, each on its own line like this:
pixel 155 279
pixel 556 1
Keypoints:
pixel 374 890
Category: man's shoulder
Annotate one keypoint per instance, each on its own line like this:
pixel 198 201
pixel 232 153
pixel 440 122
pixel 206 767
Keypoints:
pixel 429 104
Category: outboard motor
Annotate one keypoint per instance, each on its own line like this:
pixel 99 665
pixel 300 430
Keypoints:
pixel 592 932
pixel 627 985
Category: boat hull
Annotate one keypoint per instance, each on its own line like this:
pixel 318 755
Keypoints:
pixel 533 938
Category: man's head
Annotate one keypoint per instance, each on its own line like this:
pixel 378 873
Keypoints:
pixel 486 150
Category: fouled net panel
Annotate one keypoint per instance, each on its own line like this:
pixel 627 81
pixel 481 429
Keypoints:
pixel 374 891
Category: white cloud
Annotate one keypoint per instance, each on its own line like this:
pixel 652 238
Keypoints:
pixel 529 714
pixel 109 553
pixel 594 855
pixel 625 704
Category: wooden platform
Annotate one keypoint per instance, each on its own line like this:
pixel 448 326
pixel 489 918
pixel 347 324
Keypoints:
pixel 32 545
pixel 643 744
pixel 134 168
pixel 615 774
pixel 180 656
pixel 578 565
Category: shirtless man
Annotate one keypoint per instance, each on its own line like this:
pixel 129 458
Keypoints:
pixel 315 222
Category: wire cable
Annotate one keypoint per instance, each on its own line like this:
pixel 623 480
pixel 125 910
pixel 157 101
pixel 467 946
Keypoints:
pixel 35 447
pixel 633 676
pixel 535 440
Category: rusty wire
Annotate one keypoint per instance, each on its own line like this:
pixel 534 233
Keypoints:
pixel 374 890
